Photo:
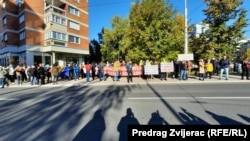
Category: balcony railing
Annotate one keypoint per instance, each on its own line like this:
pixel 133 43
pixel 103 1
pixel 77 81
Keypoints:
pixel 54 9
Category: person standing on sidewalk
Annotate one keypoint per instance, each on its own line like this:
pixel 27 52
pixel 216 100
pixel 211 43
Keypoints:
pixel 11 74
pixel 183 70
pixel 41 72
pixel 100 69
pixel 88 69
pixel 224 67
pixel 201 69
pixel 209 69
pixel 129 67
pixel 3 72
pixel 54 73
pixel 245 68
pixel 76 69
pixel 33 75
pixel 19 70
pixel 116 70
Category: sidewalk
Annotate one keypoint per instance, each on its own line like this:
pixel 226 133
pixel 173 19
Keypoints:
pixel 138 80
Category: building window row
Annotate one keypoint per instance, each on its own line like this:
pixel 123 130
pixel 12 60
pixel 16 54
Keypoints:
pixel 58 35
pixel 56 19
pixel 21 18
pixel 55 35
pixel 62 36
pixel 74 39
pixel 5 37
pixel 74 25
pixel 73 11
pixel 4 20
pixel 22 35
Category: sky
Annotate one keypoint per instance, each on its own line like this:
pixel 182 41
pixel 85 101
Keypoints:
pixel 101 13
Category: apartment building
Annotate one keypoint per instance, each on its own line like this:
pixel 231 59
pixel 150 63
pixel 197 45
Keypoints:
pixel 198 29
pixel 43 31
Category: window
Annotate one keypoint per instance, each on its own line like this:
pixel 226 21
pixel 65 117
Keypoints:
pixel 56 19
pixel 55 35
pixel 4 20
pixel 21 18
pixel 5 37
pixel 58 35
pixel 63 22
pixel 74 39
pixel 74 25
pixel 76 1
pixel 73 11
pixel 22 35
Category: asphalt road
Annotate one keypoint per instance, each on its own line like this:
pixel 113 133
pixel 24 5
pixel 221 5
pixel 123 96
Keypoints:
pixel 93 112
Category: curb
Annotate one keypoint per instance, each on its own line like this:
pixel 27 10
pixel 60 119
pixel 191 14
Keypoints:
pixel 137 81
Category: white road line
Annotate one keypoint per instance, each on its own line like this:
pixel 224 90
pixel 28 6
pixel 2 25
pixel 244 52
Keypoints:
pixel 7 99
pixel 185 98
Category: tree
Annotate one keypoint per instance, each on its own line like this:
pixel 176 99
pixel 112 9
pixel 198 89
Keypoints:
pixel 226 20
pixel 112 39
pixel 94 51
pixel 155 31
pixel 248 53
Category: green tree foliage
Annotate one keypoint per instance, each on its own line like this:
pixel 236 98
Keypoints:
pixel 94 51
pixel 111 48
pixel 248 53
pixel 226 20
pixel 153 31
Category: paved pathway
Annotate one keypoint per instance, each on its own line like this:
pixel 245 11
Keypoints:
pixel 137 80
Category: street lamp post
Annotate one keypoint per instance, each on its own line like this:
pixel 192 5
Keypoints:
pixel 186 32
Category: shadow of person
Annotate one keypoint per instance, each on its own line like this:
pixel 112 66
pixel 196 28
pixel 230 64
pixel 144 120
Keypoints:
pixel 93 130
pixel 156 119
pixel 244 117
pixel 122 127
pixel 223 120
pixel 190 118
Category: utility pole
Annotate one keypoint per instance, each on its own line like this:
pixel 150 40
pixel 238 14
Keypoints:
pixel 186 32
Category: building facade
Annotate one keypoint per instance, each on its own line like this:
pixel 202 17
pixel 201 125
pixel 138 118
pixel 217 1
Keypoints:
pixel 198 29
pixel 43 31
pixel 244 48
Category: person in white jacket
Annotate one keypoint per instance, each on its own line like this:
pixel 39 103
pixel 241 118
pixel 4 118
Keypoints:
pixel 11 74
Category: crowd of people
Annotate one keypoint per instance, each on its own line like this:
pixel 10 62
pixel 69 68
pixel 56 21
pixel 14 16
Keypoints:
pixel 43 74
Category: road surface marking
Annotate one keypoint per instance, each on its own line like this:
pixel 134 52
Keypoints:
pixel 186 98
pixel 7 99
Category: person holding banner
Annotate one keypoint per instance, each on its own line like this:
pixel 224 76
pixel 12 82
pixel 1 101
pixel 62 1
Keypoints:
pixel 116 70
pixel 183 69
pixel 163 74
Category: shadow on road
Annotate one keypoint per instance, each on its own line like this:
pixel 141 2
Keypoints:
pixel 189 118
pixel 54 114
pixel 223 120
pixel 122 127
pixel 93 130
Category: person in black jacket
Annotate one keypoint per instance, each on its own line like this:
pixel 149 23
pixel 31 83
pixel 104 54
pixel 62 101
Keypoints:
pixel 33 75
pixel 224 67
pixel 41 72
pixel 245 68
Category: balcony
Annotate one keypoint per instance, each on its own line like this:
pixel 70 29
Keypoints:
pixel 55 42
pixel 54 10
